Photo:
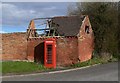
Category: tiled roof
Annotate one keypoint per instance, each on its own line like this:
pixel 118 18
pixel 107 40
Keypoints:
pixel 68 25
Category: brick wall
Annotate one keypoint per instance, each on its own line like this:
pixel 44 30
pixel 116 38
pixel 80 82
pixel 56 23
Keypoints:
pixel 85 42
pixel 35 50
pixel 66 50
pixel 69 51
pixel 14 46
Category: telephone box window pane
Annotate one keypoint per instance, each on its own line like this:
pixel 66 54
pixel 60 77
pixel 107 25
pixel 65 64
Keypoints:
pixel 49 54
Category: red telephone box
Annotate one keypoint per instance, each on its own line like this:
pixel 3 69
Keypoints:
pixel 50 53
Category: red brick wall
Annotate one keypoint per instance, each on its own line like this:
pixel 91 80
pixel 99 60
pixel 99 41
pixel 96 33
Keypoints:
pixel 85 42
pixel 14 46
pixel 35 50
pixel 66 49
pixel 69 50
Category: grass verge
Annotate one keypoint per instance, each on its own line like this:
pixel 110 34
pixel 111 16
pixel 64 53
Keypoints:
pixel 95 60
pixel 21 67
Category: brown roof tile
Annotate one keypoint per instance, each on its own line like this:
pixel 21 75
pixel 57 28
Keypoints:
pixel 68 25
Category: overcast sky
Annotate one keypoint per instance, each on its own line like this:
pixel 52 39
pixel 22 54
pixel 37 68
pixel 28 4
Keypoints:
pixel 17 15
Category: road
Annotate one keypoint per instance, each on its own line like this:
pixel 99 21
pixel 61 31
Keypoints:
pixel 102 72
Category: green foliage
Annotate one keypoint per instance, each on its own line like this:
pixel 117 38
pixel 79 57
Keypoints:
pixel 104 20
pixel 87 63
pixel 0 68
pixel 21 67
pixel 94 60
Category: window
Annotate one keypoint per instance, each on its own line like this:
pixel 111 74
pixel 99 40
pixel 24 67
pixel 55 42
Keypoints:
pixel 49 54
pixel 87 29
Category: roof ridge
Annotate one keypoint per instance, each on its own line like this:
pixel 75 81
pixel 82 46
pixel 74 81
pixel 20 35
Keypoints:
pixel 69 16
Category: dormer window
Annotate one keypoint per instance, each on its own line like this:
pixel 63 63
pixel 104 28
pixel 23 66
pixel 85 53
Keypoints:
pixel 87 29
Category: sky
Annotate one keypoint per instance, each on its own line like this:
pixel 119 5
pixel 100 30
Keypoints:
pixel 17 15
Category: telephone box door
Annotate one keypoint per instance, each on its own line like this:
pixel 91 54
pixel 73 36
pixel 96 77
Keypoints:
pixel 50 53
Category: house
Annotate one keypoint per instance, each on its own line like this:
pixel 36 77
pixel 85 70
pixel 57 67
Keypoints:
pixel 73 36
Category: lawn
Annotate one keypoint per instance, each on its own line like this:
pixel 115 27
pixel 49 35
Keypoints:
pixel 21 67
